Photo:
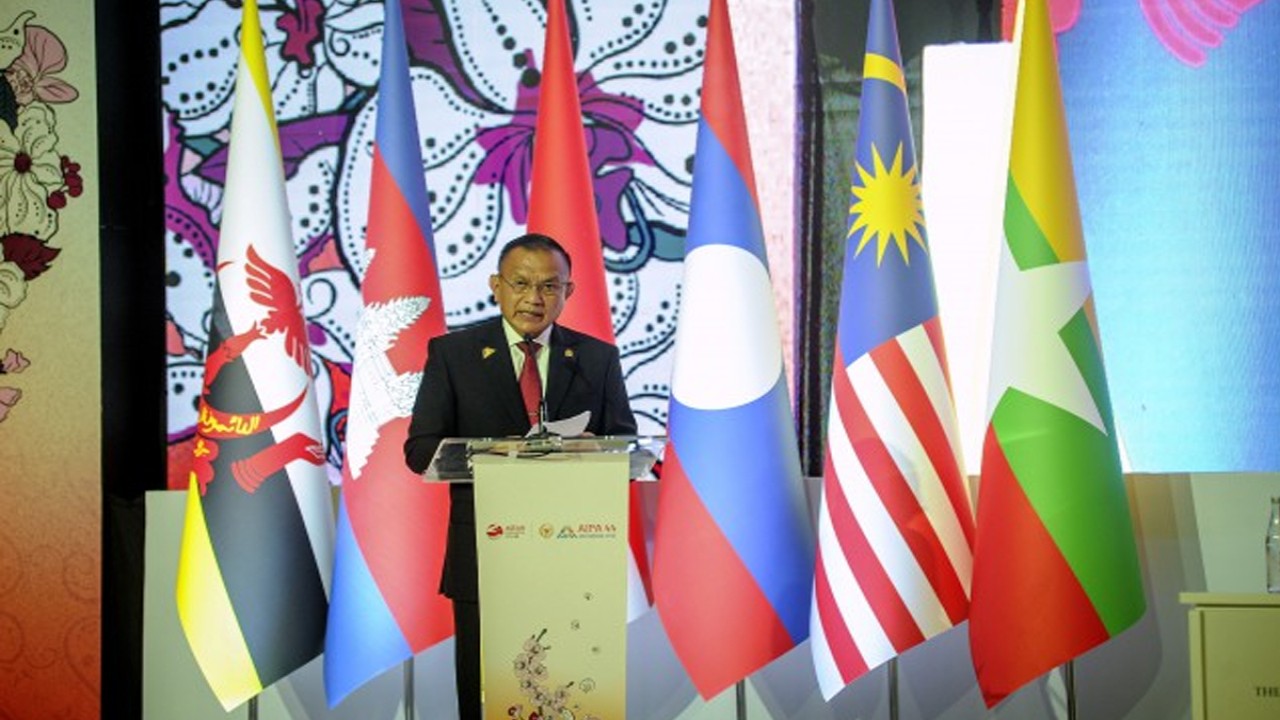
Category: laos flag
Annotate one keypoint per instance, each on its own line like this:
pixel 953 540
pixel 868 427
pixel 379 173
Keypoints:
pixel 733 547
pixel 391 524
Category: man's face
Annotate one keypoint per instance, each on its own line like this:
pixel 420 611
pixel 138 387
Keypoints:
pixel 531 287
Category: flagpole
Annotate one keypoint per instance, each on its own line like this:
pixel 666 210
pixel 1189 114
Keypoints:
pixel 1069 679
pixel 740 696
pixel 253 708
pixel 893 688
pixel 408 689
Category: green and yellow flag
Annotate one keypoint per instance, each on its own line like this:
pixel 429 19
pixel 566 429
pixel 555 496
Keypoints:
pixel 257 544
pixel 1055 569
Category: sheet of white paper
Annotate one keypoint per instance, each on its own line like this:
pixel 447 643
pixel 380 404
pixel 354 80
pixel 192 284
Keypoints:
pixel 567 427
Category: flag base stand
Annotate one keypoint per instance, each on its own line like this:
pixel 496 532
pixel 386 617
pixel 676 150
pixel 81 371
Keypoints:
pixel 893 688
pixel 408 689
pixel 1069 679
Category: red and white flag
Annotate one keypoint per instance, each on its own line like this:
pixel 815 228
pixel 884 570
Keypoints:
pixel 562 204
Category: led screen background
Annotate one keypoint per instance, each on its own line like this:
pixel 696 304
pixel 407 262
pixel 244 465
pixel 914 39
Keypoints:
pixel 1175 145
pixel 1174 149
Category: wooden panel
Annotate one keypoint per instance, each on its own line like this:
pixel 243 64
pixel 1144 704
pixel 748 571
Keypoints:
pixel 1235 659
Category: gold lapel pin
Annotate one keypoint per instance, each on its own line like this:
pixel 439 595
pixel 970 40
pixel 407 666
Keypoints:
pixel 487 352
pixel 568 352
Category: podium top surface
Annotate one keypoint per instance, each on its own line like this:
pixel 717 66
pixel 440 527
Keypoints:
pixel 1230 599
pixel 453 459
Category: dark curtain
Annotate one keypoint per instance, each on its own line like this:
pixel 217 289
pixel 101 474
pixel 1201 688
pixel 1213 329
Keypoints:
pixel 131 237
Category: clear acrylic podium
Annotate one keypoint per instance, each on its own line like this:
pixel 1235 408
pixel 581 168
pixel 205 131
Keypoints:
pixel 454 459
pixel 551 543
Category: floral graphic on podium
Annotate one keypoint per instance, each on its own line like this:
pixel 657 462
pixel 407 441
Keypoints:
pixel 545 702
pixel 37 181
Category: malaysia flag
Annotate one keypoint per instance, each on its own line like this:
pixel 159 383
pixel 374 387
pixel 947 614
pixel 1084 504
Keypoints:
pixel 895 526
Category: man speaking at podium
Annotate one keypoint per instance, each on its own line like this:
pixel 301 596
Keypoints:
pixel 499 379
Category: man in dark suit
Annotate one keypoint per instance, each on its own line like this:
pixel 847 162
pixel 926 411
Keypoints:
pixel 475 385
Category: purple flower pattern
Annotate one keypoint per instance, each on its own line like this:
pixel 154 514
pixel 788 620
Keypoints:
pixel 475 81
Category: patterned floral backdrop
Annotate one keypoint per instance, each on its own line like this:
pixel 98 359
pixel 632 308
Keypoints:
pixel 50 430
pixel 475 81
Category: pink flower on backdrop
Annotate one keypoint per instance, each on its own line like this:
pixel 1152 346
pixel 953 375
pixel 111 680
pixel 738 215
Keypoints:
pixel 1188 29
pixel 1062 16
pixel 174 343
pixel 13 362
pixel 32 74
pixel 8 398
pixel 1191 29
pixel 302 29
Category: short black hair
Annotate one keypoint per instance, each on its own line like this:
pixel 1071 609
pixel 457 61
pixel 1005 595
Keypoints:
pixel 536 241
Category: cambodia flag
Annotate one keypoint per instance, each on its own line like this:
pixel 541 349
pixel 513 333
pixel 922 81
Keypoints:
pixel 391 524
pixel 733 556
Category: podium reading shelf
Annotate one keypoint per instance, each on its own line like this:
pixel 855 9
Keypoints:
pixel 1235 655
pixel 551 542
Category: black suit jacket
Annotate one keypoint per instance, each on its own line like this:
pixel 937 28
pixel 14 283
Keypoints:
pixel 469 389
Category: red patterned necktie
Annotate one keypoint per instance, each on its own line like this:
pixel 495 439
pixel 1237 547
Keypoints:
pixel 530 384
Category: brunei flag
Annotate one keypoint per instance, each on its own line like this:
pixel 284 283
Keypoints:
pixel 1055 563
pixel 257 542
pixel 733 546
pixel 391 524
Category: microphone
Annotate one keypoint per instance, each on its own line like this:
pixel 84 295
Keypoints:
pixel 542 395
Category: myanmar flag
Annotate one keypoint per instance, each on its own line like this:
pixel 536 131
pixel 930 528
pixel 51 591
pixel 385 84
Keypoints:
pixel 1055 569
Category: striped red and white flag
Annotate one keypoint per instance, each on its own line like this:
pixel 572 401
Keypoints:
pixel 895 526
pixel 562 205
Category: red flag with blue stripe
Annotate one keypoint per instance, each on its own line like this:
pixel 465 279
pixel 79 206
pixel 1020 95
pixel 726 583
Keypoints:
pixel 733 548
pixel 385 607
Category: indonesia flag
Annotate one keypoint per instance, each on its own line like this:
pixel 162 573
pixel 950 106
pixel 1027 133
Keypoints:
pixel 391 524
pixel 562 204
pixel 895 526
pixel 733 555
